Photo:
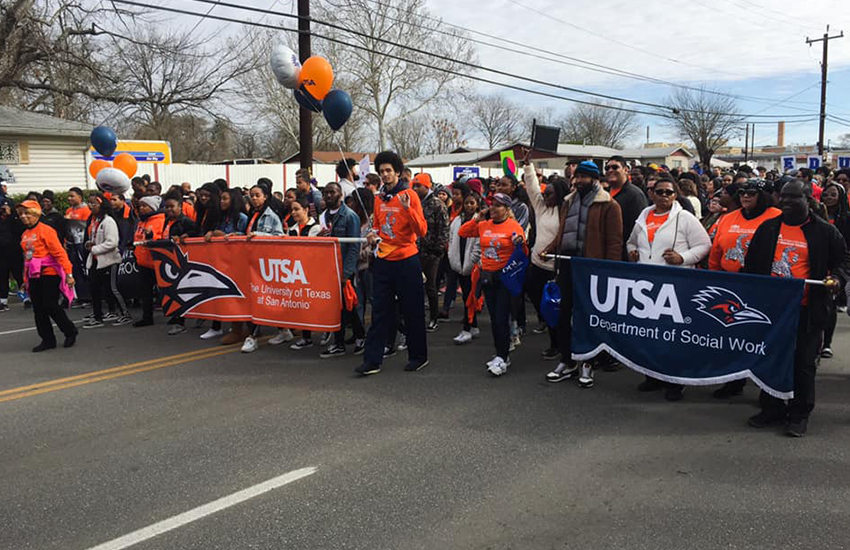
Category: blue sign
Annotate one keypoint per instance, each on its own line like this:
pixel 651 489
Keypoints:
pixel 788 163
pixel 814 163
pixel 459 172
pixel 844 162
pixel 688 326
pixel 140 156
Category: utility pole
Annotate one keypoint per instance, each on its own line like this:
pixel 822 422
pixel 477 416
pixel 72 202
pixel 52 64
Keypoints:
pixel 826 38
pixel 305 120
pixel 746 143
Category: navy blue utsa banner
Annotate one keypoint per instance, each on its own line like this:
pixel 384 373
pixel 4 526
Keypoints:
pixel 688 326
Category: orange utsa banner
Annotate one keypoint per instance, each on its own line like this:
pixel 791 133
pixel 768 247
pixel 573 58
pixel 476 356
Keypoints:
pixel 288 282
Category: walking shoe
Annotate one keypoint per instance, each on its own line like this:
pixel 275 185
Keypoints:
pixel 674 392
pixel 765 419
pixel 550 354
pixel 359 346
pixel 367 368
pixel 143 323
pixel 650 384
pixel 415 365
pixel 388 352
pixel 176 329
pixel 498 366
pixel 4 306
pixel 70 340
pixel 402 342
pixel 541 328
pixel 249 345
pixel 826 353
pixel 797 428
pixel 110 317
pixel 562 372
pixel 514 343
pixel 333 351
pixel 93 323
pixel 301 343
pixel 432 326
pixel 123 320
pixel 283 335
pixel 213 333
pixel 326 338
pixel 585 379
pixel 88 316
pixel 475 332
pixel 43 346
pixel 463 337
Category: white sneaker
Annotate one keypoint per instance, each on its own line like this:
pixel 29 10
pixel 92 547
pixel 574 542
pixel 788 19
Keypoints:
pixel 212 333
pixel 585 379
pixel 109 317
pixel 475 332
pixel 498 366
pixel 562 372
pixel 402 342
pixel 249 345
pixel 283 335
pixel 463 337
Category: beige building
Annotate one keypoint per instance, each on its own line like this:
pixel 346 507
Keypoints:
pixel 43 152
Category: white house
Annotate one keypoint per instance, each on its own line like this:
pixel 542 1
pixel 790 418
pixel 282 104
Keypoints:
pixel 43 152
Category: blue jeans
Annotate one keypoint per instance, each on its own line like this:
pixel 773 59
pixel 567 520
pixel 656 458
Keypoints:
pixel 498 299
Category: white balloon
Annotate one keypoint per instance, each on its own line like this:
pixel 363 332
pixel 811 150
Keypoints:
pixel 112 180
pixel 285 66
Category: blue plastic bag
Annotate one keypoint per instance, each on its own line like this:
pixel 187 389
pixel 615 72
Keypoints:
pixel 513 274
pixel 550 304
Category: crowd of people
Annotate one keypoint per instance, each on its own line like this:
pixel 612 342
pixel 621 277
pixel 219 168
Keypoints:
pixel 422 241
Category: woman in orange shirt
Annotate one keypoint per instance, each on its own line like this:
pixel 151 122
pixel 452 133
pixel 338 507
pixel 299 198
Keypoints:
pixel 500 234
pixel 47 273
pixel 149 228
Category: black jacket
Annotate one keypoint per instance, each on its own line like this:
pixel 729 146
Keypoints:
pixel 632 202
pixel 827 256
pixel 181 226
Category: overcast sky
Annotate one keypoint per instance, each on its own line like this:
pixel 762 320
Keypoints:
pixel 743 47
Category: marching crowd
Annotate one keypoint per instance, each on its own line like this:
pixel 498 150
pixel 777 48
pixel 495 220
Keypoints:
pixel 422 241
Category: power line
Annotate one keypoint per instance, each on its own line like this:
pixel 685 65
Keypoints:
pixel 500 72
pixel 209 11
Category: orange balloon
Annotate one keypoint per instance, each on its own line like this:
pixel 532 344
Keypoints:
pixel 126 163
pixel 316 76
pixel 97 165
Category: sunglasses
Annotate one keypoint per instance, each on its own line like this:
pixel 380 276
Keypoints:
pixel 612 167
pixel 664 192
pixel 747 193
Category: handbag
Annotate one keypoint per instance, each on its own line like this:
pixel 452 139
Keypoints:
pixel 513 274
pixel 550 303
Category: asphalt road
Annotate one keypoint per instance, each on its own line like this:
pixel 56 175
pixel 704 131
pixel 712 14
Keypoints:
pixel 443 458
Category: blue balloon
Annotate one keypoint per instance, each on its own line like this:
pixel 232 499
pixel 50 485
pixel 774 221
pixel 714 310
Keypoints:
pixel 337 108
pixel 306 100
pixel 104 140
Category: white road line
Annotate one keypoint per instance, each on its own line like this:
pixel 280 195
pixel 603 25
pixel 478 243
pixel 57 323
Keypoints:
pixel 202 511
pixel 30 328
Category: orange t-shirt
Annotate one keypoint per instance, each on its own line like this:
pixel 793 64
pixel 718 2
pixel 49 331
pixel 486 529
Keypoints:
pixel 81 213
pixel 732 239
pixel 155 224
pixel 42 241
pixel 496 240
pixel 615 192
pixel 398 228
pixel 653 222
pixel 791 258
pixel 189 211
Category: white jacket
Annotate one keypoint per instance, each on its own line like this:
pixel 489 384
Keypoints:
pixel 471 253
pixel 682 232
pixel 547 220
pixel 105 244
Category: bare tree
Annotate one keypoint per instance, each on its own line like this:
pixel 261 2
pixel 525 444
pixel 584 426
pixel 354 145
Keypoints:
pixel 496 120
pixel 408 137
pixel 844 140
pixel 598 125
pixel 443 136
pixel 707 120
pixel 394 88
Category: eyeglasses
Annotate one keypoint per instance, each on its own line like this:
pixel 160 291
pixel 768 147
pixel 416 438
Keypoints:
pixel 664 192
pixel 747 193
pixel 612 167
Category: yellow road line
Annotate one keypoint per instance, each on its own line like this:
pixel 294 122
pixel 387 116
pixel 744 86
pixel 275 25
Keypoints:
pixel 131 366
pixel 89 380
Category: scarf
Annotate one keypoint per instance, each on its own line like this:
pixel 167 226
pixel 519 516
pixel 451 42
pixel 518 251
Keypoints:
pixel 575 226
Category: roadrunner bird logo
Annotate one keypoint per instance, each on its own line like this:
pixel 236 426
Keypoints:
pixel 727 308
pixel 186 284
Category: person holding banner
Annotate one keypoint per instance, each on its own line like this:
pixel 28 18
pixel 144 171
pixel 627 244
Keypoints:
pixel 798 245
pixel 667 234
pixel 47 275
pixel 396 271
pixel 591 227
pixel 148 228
pixel 732 240
pixel 499 234
pixel 177 227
